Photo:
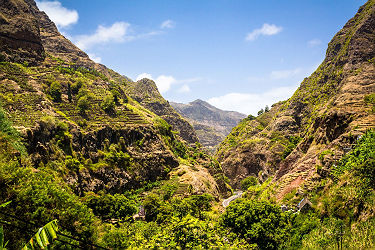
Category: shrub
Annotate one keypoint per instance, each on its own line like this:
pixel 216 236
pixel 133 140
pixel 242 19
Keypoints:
pixel 108 104
pixel 260 223
pixel 109 206
pixel 83 104
pixel 55 91
pixel 76 86
pixel 248 182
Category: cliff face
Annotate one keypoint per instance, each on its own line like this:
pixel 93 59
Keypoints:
pixel 330 109
pixel 211 124
pixel 20 39
pixel 80 115
pixel 146 93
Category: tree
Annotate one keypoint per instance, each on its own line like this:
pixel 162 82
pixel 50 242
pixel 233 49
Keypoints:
pixel 260 223
pixel 266 109
pixel 55 91
pixel 69 93
pixel 108 103
pixel 260 112
pixel 83 104
pixel 248 182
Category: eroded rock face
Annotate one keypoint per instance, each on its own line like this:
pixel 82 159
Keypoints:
pixel 327 113
pixel 150 162
pixel 146 93
pixel 20 39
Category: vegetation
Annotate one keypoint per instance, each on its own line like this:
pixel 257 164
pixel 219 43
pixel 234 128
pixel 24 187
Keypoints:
pixel 55 91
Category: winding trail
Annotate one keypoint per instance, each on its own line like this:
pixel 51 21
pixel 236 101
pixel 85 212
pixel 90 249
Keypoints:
pixel 235 196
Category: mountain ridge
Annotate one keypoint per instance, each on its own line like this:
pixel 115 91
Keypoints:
pixel 327 112
pixel 212 124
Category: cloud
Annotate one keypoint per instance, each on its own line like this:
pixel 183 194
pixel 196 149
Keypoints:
pixel 184 89
pixel 266 30
pixel 314 42
pixel 60 15
pixel 251 103
pixel 284 74
pixel 143 75
pixel 167 24
pixel 95 58
pixel 114 33
pixel 163 82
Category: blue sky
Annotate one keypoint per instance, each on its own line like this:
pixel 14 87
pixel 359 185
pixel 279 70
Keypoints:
pixel 236 54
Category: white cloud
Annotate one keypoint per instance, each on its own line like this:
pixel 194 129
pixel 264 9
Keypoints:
pixel 314 42
pixel 251 103
pixel 266 30
pixel 167 24
pixel 114 33
pixel 143 75
pixel 60 15
pixel 283 74
pixel 163 82
pixel 184 89
pixel 95 58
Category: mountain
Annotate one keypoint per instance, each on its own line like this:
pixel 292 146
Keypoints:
pixel 211 124
pixel 329 111
pixel 147 94
pixel 74 132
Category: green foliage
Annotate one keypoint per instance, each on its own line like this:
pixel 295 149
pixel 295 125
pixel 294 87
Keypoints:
pixel 370 100
pixel 108 104
pixel 260 112
pixel 44 237
pixel 76 86
pixel 9 135
pixel 83 104
pixel 116 157
pixel 292 144
pixel 324 153
pixel 55 91
pixel 260 223
pixel 249 182
pixel 360 159
pixel 108 206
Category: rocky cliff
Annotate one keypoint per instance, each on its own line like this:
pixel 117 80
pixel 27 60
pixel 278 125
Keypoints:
pixel 147 94
pixel 211 124
pixel 300 139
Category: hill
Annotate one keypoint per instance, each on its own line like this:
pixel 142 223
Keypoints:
pixel 329 111
pixel 211 124
pixel 74 132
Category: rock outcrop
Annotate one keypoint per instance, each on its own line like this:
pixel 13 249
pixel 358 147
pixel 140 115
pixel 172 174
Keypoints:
pixel 147 94
pixel 20 39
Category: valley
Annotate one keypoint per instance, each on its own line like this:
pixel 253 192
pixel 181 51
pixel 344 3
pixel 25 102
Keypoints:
pixel 90 159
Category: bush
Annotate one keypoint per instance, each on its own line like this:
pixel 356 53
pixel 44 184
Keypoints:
pixel 248 182
pixel 77 86
pixel 108 104
pixel 83 104
pixel 55 91
pixel 108 206
pixel 260 223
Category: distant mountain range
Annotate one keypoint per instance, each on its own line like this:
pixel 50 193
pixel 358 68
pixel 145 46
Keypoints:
pixel 211 124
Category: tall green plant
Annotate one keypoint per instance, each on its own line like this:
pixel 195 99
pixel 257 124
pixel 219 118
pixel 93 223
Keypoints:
pixel 44 237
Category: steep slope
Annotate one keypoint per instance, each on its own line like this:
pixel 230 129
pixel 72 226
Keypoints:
pixel 80 134
pixel 20 39
pixel 68 108
pixel 147 94
pixel 211 124
pixel 318 124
